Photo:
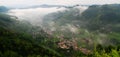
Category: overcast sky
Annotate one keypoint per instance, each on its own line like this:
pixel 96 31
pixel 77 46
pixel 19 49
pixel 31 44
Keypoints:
pixel 58 2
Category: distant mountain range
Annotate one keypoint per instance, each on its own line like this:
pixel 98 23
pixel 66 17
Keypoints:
pixel 50 6
pixel 46 6
pixel 3 9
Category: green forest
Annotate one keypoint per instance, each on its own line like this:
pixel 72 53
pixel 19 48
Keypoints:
pixel 93 33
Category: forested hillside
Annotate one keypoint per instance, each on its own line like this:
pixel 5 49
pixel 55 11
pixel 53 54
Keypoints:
pixel 70 33
pixel 17 41
pixel 97 25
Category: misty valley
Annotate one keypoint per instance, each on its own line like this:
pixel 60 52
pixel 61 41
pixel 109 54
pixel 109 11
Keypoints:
pixel 60 31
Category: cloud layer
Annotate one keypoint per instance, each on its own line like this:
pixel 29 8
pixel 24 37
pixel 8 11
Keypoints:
pixel 33 15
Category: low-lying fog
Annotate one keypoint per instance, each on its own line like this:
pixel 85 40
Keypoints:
pixel 35 15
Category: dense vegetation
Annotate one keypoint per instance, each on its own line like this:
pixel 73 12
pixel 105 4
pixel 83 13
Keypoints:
pixel 98 25
pixel 17 41
pixel 97 34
